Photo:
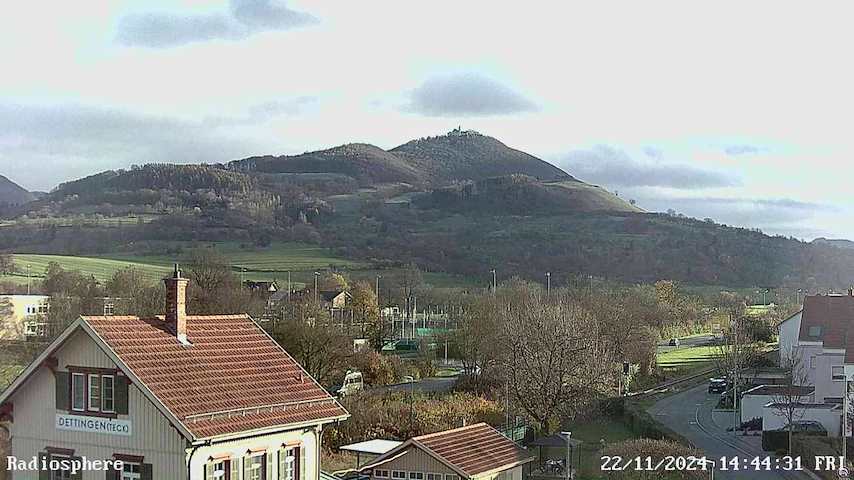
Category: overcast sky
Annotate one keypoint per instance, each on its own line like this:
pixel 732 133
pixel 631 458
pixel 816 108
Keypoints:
pixel 736 111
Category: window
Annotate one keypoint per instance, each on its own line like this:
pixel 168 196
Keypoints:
pixel 288 464
pixel 108 404
pixel 450 476
pixel 34 329
pixel 255 468
pixel 64 474
pixel 78 392
pixel 416 475
pixel 94 393
pixel 434 476
pixel 398 475
pixel 44 308
pixel 219 470
pixel 837 372
pixel 109 309
pixel 381 473
pixel 812 361
pixel 131 471
pixel 815 331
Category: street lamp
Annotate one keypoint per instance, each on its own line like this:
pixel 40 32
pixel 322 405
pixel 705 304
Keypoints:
pixel 494 284
pixel 316 274
pixel 548 283
pixel 28 279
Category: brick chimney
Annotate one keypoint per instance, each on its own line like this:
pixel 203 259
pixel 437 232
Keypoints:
pixel 176 304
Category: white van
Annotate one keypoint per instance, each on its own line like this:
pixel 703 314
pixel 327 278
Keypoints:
pixel 353 384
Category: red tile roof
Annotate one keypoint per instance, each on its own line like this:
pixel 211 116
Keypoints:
pixel 234 378
pixel 829 316
pixel 474 450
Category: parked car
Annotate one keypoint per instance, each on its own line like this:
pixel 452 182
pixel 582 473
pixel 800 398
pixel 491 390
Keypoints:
pixel 674 342
pixel 806 426
pixel 717 385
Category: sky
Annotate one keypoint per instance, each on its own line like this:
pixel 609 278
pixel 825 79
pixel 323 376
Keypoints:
pixel 730 110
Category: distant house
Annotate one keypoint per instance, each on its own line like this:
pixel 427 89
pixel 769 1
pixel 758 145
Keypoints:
pixel 175 397
pixel 788 331
pixel 264 287
pixel 335 299
pixel 23 316
pixel 474 452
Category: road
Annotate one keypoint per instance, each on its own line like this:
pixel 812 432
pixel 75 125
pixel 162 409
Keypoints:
pixel 691 414
pixel 700 340
pixel 427 385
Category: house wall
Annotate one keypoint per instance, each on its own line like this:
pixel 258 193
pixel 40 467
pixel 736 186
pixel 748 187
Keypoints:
pixel 34 426
pixel 788 337
pixel 416 460
pixel 752 405
pixel 308 440
pixel 830 418
pixel 825 386
pixel 12 322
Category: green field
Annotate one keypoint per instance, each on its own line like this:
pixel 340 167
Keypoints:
pixel 269 263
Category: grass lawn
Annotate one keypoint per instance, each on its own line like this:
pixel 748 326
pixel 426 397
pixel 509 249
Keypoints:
pixel 592 433
pixel 685 360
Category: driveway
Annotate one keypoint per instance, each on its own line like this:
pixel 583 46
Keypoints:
pixel 691 413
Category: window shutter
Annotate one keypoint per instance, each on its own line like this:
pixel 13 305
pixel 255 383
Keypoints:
pixel 246 467
pixel 145 471
pixel 112 474
pixel 63 391
pixel 121 394
pixel 44 474
pixel 79 474
pixel 300 473
pixel 235 469
pixel 268 471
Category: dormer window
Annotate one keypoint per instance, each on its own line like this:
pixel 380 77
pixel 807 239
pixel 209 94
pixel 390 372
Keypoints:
pixel 815 331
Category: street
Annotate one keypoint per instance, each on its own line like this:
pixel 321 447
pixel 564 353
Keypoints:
pixel 697 341
pixel 427 385
pixel 691 414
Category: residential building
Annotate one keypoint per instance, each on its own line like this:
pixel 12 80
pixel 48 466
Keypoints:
pixel 23 316
pixel 788 331
pixel 473 452
pixel 175 397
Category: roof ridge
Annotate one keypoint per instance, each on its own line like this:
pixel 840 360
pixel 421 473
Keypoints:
pixel 445 432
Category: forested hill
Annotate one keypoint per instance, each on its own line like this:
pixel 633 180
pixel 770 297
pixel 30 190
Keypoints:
pixel 13 194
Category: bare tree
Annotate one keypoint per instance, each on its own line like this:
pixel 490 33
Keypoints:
pixel 318 346
pixel 737 352
pixel 555 362
pixel 788 401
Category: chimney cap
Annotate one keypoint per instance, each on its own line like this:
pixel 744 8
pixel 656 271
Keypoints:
pixel 177 272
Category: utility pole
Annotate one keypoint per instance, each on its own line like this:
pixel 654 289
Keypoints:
pixel 28 279
pixel 378 290
pixel 494 282
pixel 548 283
pixel 316 274
pixel 289 287
pixel 845 425
pixel 567 435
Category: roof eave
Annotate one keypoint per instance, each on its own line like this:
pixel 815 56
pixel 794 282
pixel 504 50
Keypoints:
pixel 271 430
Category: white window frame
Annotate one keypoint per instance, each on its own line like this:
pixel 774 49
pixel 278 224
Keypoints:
pixel 287 469
pixel 112 396
pixel 380 473
pixel 261 465
pixel 59 474
pixel 434 476
pixel 416 475
pixel 812 361
pixel 226 469
pixel 834 376
pixel 451 476
pixel 82 382
pixel 94 403
pixel 399 475
pixel 131 475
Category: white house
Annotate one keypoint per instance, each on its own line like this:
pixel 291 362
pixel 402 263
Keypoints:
pixel 23 316
pixel 788 331
pixel 174 397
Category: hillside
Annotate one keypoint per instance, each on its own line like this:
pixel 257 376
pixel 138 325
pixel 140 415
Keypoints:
pixel 524 195
pixel 364 163
pixel 467 155
pixel 13 194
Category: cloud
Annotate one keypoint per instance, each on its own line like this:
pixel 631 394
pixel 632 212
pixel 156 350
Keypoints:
pixel 244 18
pixel 736 150
pixel 748 212
pixel 70 141
pixel 466 95
pixel 612 167
pixel 263 112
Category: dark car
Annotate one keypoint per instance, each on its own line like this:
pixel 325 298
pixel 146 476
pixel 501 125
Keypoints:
pixel 717 385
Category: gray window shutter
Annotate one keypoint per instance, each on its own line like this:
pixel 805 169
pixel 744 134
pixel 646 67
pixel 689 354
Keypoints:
pixel 44 474
pixel 63 391
pixel 121 394
pixel 300 474
pixel 246 467
pixel 268 473
pixel 79 474
pixel 145 471
pixel 112 474
pixel 235 469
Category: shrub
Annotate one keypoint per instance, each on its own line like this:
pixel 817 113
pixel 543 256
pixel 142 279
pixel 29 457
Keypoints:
pixel 657 450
